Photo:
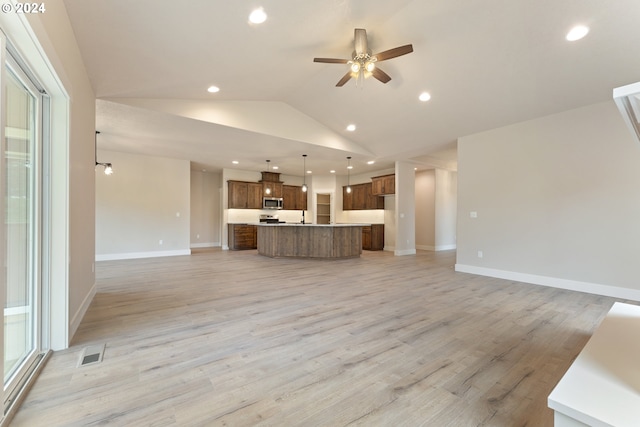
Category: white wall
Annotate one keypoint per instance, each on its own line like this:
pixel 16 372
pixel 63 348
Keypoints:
pixel 557 202
pixel 446 208
pixel 405 209
pixel 206 209
pixel 145 201
pixel 426 209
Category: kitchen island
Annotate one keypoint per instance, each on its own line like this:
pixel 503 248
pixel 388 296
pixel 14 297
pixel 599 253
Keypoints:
pixel 329 241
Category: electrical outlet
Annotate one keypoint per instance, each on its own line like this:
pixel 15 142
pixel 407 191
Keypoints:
pixel 160 242
pixel 473 214
pixel 480 254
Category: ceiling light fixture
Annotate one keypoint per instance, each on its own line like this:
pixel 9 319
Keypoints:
pixel 267 189
pixel 370 162
pixel 213 89
pixel 304 177
pixel 424 96
pixel 351 127
pixel 258 16
pixel 349 167
pixel 577 32
pixel 108 169
pixel 235 162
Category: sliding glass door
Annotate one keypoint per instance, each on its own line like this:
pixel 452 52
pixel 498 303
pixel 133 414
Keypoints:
pixel 20 178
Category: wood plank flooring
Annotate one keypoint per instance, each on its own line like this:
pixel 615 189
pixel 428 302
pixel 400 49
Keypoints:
pixel 224 338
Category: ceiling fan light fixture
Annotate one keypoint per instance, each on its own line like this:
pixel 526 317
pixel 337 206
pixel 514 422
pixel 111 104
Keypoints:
pixel 355 67
pixel 370 66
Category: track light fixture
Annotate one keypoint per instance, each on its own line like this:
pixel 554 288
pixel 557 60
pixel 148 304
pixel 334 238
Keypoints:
pixel 108 169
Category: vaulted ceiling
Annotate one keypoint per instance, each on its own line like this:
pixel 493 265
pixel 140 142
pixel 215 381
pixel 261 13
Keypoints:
pixel 485 64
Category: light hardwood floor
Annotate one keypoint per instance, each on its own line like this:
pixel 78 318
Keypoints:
pixel 236 339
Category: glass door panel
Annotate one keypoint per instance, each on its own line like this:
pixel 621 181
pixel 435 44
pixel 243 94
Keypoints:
pixel 20 204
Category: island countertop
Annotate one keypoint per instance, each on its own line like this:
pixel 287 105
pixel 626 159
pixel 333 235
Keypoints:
pixel 297 240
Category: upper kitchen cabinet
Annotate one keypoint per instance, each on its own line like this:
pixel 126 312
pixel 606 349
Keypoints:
pixel 271 184
pixel 383 185
pixel 361 198
pixel 293 198
pixel 245 195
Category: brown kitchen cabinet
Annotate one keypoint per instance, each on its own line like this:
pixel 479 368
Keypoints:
pixel 385 184
pixel 373 237
pixel 254 195
pixel 293 198
pixel 276 189
pixel 347 200
pixel 243 237
pixel 245 195
pixel 361 198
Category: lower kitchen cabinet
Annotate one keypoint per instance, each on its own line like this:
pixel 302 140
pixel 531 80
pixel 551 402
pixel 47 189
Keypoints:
pixel 243 237
pixel 373 237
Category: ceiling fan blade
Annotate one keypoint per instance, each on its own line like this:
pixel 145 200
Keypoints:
pixel 331 60
pixel 395 52
pixel 344 79
pixel 380 75
pixel 360 41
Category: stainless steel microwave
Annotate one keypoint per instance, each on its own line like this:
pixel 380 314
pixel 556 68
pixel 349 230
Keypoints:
pixel 272 203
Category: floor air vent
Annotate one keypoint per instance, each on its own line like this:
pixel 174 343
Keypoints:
pixel 91 355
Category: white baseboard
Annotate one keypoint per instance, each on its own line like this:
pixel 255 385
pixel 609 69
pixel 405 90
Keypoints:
pixel 554 282
pixel 435 248
pixel 404 252
pixel 135 255
pixel 205 245
pixel 79 314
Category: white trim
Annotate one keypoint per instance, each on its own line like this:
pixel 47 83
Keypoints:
pixel 436 248
pixel 554 282
pixel 205 245
pixel 135 255
pixel 404 252
pixel 77 318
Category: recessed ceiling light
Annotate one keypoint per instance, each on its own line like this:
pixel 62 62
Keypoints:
pixel 213 89
pixel 577 32
pixel 332 171
pixel 351 128
pixel 258 16
pixel 370 162
pixel 424 96
pixel 274 167
pixel 309 172
pixel 235 162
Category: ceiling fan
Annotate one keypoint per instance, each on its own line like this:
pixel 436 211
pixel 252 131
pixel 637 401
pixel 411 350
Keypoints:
pixel 362 63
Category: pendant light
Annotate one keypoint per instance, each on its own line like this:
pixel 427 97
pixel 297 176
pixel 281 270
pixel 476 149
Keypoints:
pixel 267 190
pixel 304 173
pixel 349 174
pixel 108 169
